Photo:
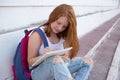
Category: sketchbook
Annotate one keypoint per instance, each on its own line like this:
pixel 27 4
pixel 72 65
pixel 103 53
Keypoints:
pixel 51 53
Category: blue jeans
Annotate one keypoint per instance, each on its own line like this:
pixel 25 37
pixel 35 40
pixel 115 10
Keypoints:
pixel 47 70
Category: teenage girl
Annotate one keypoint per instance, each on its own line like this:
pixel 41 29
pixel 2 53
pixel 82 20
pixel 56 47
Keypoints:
pixel 60 30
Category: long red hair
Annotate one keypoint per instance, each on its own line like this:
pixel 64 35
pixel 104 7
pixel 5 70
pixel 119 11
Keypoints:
pixel 70 34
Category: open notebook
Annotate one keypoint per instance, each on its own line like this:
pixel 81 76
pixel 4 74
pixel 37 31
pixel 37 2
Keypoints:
pixel 51 53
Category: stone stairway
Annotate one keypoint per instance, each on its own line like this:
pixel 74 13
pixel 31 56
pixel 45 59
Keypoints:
pixel 101 45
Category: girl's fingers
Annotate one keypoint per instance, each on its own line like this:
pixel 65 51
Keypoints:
pixel 47 49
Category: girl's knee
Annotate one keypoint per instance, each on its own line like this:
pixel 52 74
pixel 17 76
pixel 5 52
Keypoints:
pixel 88 60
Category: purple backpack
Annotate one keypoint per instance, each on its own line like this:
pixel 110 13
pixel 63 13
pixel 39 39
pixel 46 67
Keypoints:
pixel 20 65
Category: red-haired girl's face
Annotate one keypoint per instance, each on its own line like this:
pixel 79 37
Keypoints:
pixel 59 25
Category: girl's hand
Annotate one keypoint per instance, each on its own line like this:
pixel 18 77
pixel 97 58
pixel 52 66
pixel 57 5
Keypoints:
pixel 65 57
pixel 47 49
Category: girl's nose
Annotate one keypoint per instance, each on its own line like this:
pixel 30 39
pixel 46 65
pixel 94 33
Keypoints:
pixel 60 28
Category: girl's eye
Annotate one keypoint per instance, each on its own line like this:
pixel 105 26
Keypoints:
pixel 64 27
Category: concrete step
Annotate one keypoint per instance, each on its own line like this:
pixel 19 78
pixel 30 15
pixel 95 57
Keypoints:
pixel 88 41
pixel 100 44
pixel 104 54
pixel 113 73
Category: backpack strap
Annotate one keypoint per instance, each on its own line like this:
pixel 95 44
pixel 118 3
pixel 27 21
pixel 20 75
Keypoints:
pixel 42 34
